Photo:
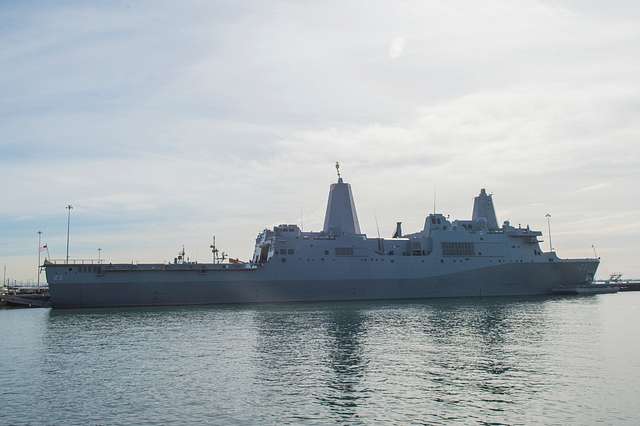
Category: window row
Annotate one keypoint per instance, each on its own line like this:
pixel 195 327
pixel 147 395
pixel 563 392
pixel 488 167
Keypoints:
pixel 458 249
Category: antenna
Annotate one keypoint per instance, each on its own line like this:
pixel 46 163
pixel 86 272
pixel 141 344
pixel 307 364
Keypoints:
pixel 434 200
pixel 548 216
pixel 338 170
pixel 380 246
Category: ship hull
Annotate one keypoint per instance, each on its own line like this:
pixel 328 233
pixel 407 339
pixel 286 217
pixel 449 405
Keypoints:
pixel 166 288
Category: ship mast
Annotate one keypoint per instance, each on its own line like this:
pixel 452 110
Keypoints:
pixel 216 255
pixel 214 251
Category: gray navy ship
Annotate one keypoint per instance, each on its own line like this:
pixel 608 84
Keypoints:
pixel 446 258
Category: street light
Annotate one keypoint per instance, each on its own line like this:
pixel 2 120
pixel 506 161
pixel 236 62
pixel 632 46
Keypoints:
pixel 69 207
pixel 548 216
pixel 39 247
pixel 99 254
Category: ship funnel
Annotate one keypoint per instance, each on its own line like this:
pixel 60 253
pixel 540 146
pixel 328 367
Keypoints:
pixel 483 210
pixel 341 216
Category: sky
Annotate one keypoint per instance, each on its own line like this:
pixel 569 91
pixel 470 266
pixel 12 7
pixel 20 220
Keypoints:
pixel 164 123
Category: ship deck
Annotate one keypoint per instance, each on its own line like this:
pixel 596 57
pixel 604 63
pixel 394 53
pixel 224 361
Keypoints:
pixel 88 265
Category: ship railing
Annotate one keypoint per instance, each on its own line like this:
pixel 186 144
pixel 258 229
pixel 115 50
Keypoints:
pixel 75 261
pixel 107 266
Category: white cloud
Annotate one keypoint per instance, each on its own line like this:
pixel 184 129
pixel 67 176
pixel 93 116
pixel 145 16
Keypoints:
pixel 594 187
pixel 396 49
pixel 164 124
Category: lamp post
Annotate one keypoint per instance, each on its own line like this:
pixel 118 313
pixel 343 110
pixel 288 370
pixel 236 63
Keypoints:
pixel 548 216
pixel 69 207
pixel 99 255
pixel 39 246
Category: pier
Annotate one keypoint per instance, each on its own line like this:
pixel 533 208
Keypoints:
pixel 628 284
pixel 25 297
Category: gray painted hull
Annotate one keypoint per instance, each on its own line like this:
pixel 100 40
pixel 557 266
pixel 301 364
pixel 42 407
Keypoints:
pixel 164 288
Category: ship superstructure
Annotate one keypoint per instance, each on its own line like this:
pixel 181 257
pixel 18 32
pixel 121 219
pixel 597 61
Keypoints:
pixel 446 258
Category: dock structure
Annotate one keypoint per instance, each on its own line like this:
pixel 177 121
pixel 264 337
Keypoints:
pixel 628 284
pixel 27 301
pixel 25 297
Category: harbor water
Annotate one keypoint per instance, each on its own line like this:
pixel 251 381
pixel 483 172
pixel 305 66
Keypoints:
pixel 553 360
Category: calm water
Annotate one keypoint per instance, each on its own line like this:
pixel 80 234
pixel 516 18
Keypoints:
pixel 553 360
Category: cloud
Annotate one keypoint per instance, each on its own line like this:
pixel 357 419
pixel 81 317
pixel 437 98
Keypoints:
pixel 594 187
pixel 166 123
pixel 396 49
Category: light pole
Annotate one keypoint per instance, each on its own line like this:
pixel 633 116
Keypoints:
pixel 69 207
pixel 39 245
pixel 99 255
pixel 548 216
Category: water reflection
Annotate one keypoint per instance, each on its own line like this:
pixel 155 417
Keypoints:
pixel 485 350
pixel 346 331
pixel 464 360
pixel 351 355
pixel 315 349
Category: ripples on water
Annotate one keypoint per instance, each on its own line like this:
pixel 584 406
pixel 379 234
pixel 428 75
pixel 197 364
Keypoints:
pixel 557 360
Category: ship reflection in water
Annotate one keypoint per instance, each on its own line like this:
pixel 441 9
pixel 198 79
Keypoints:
pixel 468 360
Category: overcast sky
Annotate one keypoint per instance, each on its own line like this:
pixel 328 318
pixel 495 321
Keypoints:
pixel 166 122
